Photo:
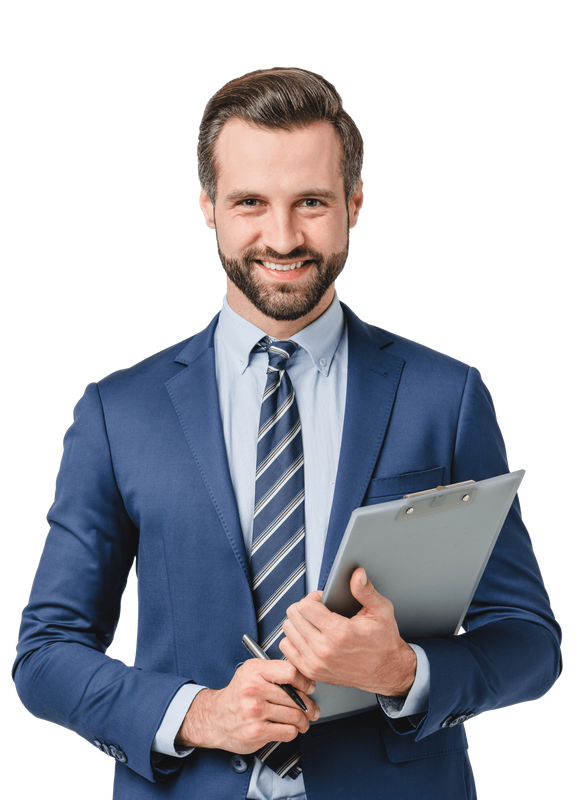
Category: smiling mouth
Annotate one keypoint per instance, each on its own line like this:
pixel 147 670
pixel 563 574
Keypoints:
pixel 283 267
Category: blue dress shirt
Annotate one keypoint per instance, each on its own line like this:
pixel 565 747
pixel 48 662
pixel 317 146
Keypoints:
pixel 318 371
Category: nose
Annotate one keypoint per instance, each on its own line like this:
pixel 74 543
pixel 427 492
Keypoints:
pixel 282 231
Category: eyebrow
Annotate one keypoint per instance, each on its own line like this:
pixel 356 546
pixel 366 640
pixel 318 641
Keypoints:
pixel 243 194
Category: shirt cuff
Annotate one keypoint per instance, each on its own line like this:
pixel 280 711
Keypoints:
pixel 417 700
pixel 164 741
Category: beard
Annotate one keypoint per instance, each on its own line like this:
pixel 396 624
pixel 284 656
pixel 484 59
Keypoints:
pixel 291 300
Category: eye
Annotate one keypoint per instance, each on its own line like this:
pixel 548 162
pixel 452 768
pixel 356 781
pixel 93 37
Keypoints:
pixel 311 202
pixel 249 202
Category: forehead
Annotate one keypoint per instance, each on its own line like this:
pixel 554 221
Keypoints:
pixel 258 159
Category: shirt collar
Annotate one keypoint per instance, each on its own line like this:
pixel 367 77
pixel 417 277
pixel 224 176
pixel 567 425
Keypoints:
pixel 320 339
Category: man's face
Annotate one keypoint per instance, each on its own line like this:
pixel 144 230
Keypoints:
pixel 280 216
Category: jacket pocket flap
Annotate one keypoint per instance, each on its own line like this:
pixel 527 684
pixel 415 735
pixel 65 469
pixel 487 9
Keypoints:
pixel 405 748
pixel 406 483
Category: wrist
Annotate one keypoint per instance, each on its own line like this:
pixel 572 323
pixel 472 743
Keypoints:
pixel 196 729
pixel 401 673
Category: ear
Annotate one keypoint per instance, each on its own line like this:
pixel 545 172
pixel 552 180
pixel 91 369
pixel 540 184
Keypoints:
pixel 208 209
pixel 355 204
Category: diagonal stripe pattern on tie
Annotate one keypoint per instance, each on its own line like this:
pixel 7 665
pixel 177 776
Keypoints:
pixel 278 553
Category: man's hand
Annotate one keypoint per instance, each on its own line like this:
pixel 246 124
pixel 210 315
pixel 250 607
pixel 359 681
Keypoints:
pixel 365 651
pixel 250 711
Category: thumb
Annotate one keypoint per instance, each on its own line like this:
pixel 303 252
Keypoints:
pixel 363 590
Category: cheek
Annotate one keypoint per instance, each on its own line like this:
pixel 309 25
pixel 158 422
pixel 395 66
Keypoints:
pixel 328 236
pixel 242 234
pixel 235 233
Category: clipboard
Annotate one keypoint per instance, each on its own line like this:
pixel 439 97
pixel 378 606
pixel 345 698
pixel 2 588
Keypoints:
pixel 426 553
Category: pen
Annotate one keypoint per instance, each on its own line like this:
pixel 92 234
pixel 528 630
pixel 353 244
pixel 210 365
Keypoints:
pixel 257 652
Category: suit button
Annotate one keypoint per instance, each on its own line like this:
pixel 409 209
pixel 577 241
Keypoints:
pixel 120 756
pixel 98 744
pixel 238 764
pixel 469 716
pixel 457 721
pixel 106 750
pixel 446 721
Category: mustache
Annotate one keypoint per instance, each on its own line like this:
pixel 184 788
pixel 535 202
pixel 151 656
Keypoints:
pixel 268 254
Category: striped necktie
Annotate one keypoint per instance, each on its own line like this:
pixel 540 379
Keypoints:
pixel 278 554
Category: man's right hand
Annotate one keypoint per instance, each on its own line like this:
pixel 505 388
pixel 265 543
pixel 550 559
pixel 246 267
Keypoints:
pixel 250 711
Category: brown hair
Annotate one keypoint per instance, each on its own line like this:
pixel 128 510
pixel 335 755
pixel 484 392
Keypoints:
pixel 282 97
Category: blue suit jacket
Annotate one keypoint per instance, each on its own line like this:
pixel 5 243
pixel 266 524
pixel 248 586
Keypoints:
pixel 144 475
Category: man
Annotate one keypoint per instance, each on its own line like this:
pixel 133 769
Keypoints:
pixel 229 465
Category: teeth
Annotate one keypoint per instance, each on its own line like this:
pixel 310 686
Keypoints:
pixel 283 267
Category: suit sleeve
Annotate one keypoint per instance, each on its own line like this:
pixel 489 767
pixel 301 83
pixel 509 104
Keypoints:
pixel 62 673
pixel 510 650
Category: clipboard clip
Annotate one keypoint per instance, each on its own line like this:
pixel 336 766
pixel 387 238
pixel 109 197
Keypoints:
pixel 431 501
pixel 436 489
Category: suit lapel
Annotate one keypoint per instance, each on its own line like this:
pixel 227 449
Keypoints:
pixel 194 394
pixel 373 379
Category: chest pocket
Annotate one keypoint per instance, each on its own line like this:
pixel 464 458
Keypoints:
pixel 394 487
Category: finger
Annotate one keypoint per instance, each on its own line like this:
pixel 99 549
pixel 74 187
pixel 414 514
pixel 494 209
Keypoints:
pixel 283 709
pixel 278 671
pixel 261 700
pixel 316 595
pixel 312 708
pixel 312 611
pixel 294 656
pixel 277 732
pixel 312 711
pixel 364 591
pixel 287 715
pixel 311 660
pixel 302 635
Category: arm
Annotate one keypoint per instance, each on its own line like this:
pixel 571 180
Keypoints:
pixel 510 651
pixel 62 673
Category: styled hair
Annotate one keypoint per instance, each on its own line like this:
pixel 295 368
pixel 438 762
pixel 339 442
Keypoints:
pixel 285 98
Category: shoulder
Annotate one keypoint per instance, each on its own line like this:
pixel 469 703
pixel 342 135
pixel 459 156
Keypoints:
pixel 157 369
pixel 417 360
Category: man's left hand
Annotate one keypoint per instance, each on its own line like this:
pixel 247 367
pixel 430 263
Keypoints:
pixel 365 651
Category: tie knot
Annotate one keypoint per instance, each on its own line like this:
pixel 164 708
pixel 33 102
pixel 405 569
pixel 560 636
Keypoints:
pixel 278 352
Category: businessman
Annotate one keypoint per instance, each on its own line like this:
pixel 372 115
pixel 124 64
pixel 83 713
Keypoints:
pixel 228 466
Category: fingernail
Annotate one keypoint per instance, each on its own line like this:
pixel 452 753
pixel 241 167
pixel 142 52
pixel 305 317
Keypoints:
pixel 364 579
pixel 316 712
pixel 311 688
